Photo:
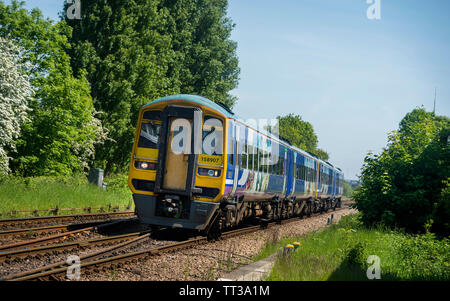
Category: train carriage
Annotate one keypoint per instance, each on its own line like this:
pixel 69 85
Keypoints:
pixel 194 165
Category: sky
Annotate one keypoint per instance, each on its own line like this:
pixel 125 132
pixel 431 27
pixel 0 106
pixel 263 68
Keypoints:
pixel 353 78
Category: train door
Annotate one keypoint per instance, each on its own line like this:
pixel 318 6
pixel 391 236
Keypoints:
pixel 178 156
pixel 284 169
pixel 176 168
pixel 316 177
pixel 293 173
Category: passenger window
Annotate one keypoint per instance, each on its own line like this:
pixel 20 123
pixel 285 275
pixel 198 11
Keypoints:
pixel 244 157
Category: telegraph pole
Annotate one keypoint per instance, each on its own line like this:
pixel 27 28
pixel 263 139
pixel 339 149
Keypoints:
pixel 434 107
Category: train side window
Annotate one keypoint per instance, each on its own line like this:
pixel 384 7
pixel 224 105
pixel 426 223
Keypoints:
pixel 248 156
pixel 244 157
pixel 254 158
pixel 279 165
pixel 269 162
pixel 273 167
pixel 282 165
pixel 261 160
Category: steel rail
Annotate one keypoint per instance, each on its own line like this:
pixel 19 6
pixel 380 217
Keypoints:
pixel 57 267
pixel 18 222
pixel 81 244
pixel 40 241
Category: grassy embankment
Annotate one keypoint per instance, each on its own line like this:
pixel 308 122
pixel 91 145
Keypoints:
pixel 340 252
pixel 18 194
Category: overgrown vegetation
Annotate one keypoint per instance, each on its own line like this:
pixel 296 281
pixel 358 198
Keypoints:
pixel 48 192
pixel 408 185
pixel 341 251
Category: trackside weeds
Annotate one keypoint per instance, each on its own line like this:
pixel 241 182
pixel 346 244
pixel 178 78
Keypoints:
pixel 348 251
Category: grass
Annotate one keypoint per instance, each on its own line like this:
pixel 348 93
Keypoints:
pixel 17 194
pixel 340 252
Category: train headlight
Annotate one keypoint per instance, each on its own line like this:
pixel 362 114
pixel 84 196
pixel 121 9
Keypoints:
pixel 209 172
pixel 145 165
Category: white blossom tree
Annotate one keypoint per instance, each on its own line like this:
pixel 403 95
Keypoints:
pixel 15 90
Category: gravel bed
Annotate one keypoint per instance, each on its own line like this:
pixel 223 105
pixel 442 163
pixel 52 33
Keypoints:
pixel 213 260
pixel 32 262
pixel 127 227
pixel 16 265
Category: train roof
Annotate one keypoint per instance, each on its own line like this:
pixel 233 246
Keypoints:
pixel 229 114
pixel 198 100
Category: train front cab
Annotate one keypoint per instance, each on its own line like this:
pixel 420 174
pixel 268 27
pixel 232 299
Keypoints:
pixel 177 167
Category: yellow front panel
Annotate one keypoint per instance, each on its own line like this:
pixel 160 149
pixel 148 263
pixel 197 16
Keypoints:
pixel 147 153
pixel 176 164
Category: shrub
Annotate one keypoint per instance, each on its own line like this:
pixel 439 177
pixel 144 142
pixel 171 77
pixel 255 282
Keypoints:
pixel 406 186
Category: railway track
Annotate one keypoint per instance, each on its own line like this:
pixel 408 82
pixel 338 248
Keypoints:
pixel 91 263
pixel 11 255
pixel 47 239
pixel 21 223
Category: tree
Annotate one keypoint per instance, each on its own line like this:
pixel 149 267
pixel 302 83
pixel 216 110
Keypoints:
pixel 300 134
pixel 61 136
pixel 15 91
pixel 137 51
pixel 61 132
pixel 406 183
pixel 347 190
pixel 205 58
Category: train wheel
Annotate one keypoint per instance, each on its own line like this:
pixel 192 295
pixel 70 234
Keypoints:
pixel 214 230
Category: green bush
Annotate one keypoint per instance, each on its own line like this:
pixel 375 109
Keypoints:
pixel 406 186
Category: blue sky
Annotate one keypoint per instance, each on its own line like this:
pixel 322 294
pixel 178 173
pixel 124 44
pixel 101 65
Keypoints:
pixel 352 78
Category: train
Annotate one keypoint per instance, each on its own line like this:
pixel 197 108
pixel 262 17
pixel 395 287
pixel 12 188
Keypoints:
pixel 195 165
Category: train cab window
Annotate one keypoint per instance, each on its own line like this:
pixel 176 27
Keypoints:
pixel 212 136
pixel 150 129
